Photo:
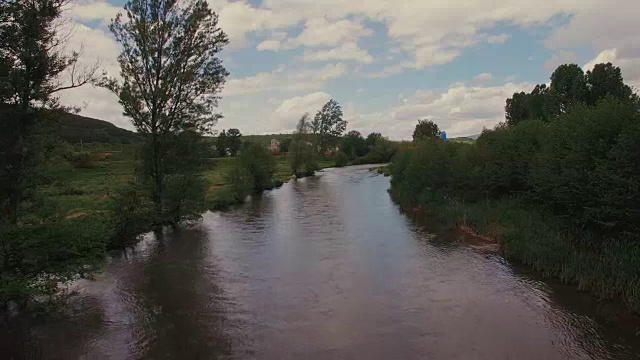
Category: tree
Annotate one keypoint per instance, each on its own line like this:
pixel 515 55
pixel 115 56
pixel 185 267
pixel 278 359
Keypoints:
pixel 171 74
pixel 221 144
pixel 539 104
pixel 568 83
pixel 234 141
pixel 328 126
pixel 517 108
pixel 32 60
pixel 372 139
pixel 606 80
pixel 353 144
pixel 426 129
pixel 285 144
pixel 301 152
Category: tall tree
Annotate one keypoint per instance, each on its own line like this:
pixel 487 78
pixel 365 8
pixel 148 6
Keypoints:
pixel 234 141
pixel 301 153
pixel 221 144
pixel 328 126
pixel 606 80
pixel 353 144
pixel 170 73
pixel 568 83
pixel 33 60
pixel 372 139
pixel 426 129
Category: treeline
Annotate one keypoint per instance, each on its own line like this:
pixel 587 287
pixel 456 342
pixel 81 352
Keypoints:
pixel 323 137
pixel 558 183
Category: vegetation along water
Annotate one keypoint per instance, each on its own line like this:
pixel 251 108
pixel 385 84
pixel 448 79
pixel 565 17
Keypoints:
pixel 109 247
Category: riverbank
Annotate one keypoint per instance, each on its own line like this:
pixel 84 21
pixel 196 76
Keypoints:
pixel 544 243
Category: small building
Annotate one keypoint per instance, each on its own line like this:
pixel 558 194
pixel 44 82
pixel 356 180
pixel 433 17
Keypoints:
pixel 274 146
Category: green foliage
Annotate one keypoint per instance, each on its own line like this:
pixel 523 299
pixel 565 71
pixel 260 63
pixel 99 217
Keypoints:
pixel 221 144
pixel 563 195
pixel 302 156
pixel 605 80
pixel 36 258
pixel 259 165
pixel 76 128
pixel 382 152
pixel 371 140
pixel 328 126
pixel 569 87
pixel 426 129
pixel 285 144
pixel 178 94
pixel 252 173
pixel 241 182
pixel 33 57
pixel 340 159
pixel 587 169
pixel 353 145
pixel 234 141
pixel 131 214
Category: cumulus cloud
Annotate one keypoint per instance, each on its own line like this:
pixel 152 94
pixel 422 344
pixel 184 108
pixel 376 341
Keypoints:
pixel 346 52
pixel 561 58
pixel 285 79
pixel 91 10
pixel 460 110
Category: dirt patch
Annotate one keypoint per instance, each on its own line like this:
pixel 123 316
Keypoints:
pixel 479 242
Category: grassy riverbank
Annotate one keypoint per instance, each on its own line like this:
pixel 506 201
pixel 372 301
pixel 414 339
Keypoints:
pixel 560 196
pixel 72 192
pixel 547 244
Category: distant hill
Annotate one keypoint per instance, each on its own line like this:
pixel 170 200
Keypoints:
pixel 76 128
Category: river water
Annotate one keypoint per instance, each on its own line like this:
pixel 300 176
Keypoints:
pixel 324 268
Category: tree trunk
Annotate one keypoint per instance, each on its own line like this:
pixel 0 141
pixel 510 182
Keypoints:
pixel 157 176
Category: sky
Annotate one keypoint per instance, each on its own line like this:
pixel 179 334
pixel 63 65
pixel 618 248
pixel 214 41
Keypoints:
pixel 388 63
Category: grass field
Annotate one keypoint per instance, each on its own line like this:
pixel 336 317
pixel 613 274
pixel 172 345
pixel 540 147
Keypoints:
pixel 71 192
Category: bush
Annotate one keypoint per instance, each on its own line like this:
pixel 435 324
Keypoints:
pixel 131 214
pixel 37 258
pixel 565 194
pixel 241 182
pixel 340 159
pixel 260 164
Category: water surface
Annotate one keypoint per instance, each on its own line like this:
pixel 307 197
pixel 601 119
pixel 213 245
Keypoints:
pixel 323 268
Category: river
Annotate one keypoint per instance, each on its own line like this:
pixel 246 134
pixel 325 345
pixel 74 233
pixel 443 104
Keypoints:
pixel 323 268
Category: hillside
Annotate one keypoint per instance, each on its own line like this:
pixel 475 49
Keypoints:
pixel 76 128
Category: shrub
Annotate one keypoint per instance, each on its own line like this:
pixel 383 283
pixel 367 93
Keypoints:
pixel 340 159
pixel 131 214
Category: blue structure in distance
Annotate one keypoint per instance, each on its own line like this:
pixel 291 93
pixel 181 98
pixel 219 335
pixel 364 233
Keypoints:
pixel 443 135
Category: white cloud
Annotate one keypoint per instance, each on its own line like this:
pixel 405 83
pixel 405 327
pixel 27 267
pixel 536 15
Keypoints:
pixel 290 110
pixel 561 58
pixel 460 110
pixel 321 32
pixel 284 79
pixel 483 77
pixel 90 10
pixel 346 52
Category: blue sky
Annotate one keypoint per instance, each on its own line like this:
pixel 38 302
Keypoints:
pixel 388 63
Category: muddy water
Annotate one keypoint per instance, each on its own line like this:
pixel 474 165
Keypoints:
pixel 324 268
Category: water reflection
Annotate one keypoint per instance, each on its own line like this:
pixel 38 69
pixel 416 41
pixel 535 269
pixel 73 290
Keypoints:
pixel 323 268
